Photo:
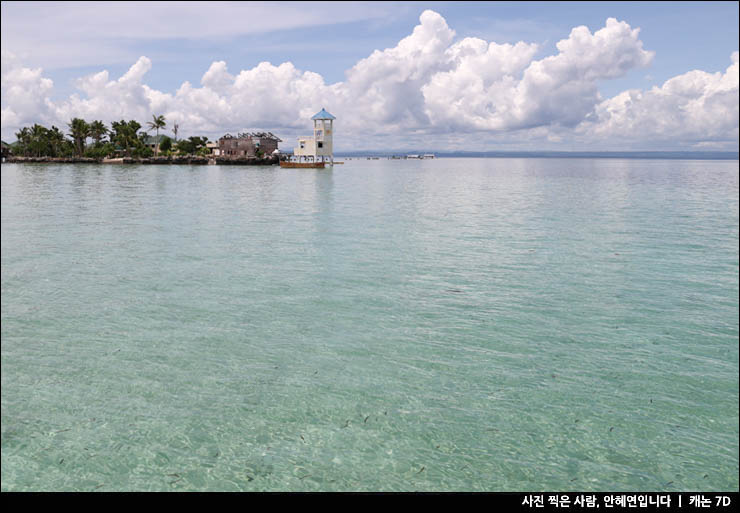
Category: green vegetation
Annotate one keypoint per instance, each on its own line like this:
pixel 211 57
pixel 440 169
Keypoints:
pixel 125 134
pixel 166 144
pixel 98 130
pixel 39 141
pixel 122 138
pixel 100 151
pixel 79 130
pixel 156 123
pixel 192 146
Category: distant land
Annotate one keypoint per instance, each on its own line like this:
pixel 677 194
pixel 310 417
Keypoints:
pixel 675 155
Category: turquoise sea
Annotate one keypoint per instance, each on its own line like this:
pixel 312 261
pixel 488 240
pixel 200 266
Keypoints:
pixel 468 324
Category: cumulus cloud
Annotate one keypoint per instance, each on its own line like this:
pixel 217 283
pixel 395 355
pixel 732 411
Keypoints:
pixel 25 94
pixel 383 90
pixel 426 84
pixel 110 99
pixel 515 92
pixel 478 90
pixel 696 107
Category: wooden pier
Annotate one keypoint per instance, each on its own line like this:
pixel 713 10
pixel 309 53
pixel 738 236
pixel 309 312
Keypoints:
pixel 287 163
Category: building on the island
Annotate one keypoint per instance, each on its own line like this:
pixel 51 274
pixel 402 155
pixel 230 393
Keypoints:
pixel 213 148
pixel 320 147
pixel 150 141
pixel 248 145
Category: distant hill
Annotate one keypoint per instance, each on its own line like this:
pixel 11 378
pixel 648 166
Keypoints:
pixel 676 155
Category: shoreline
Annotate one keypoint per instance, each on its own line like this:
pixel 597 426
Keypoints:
pixel 272 161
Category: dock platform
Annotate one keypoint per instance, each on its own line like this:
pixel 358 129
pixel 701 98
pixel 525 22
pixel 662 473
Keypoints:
pixel 302 164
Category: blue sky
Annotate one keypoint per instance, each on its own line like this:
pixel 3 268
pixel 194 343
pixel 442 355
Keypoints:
pixel 180 42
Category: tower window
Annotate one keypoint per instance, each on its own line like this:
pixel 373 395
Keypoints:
pixel 321 144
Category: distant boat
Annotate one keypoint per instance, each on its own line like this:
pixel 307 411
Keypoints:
pixel 428 156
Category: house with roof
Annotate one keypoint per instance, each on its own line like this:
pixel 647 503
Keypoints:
pixel 150 141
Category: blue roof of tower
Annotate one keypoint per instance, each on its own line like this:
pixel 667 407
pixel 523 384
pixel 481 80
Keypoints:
pixel 322 114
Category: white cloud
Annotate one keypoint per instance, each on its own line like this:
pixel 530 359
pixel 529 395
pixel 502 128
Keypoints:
pixel 110 99
pixel 25 94
pixel 382 91
pixel 218 78
pixel 478 91
pixel 490 88
pixel 426 85
pixel 694 107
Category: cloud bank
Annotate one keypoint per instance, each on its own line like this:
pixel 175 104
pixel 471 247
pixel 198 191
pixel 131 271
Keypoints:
pixel 428 90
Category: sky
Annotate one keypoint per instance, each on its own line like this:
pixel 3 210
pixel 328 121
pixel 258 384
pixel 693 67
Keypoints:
pixel 444 76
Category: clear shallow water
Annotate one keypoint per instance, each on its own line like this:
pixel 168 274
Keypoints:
pixel 455 324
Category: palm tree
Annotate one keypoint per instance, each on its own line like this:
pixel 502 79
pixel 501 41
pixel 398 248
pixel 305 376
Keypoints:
pixel 56 140
pixel 39 142
pixel 117 132
pixel 175 128
pixel 125 134
pixel 79 130
pixel 156 123
pixel 98 130
pixel 24 138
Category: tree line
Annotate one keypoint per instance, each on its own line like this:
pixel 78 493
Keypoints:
pixel 123 137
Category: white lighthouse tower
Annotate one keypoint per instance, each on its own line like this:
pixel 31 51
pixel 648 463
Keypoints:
pixel 320 146
pixel 323 132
